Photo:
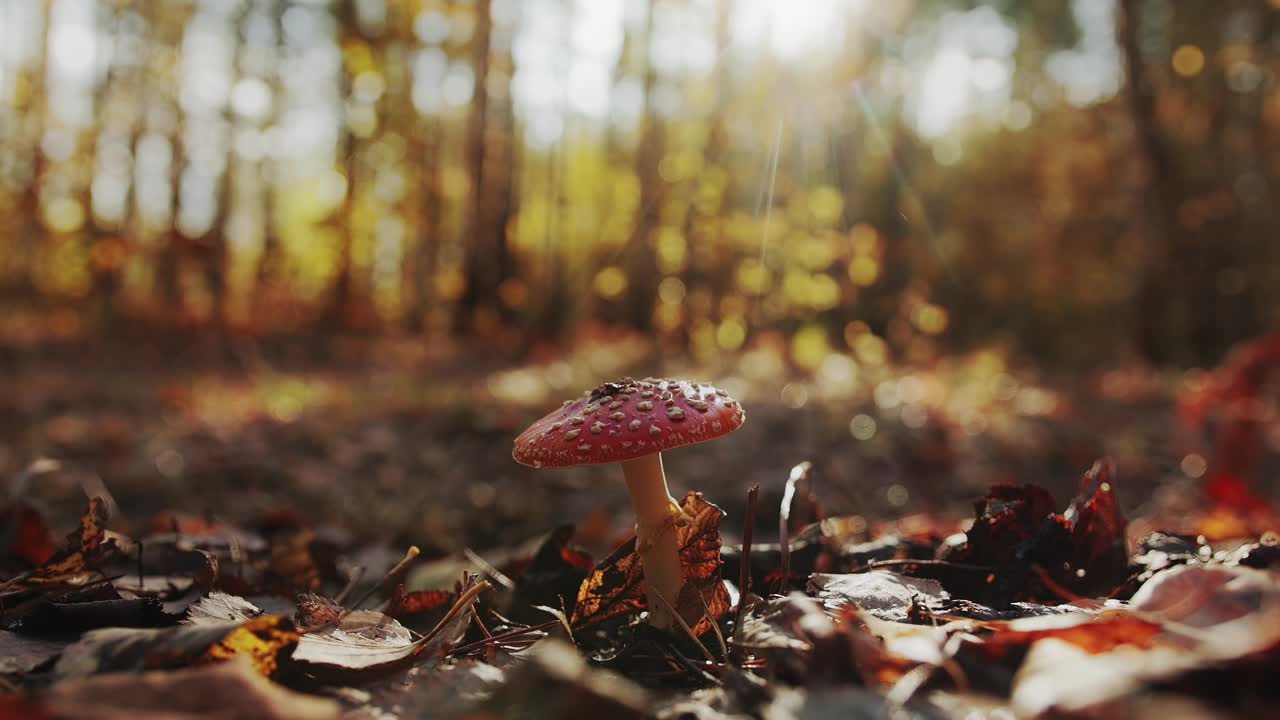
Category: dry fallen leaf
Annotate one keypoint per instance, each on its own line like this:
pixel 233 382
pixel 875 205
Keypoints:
pixel 886 595
pixel 264 640
pixel 616 586
pixel 77 560
pixel 366 645
pixel 219 607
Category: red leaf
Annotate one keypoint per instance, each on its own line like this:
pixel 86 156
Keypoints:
pixel 32 542
pixel 419 602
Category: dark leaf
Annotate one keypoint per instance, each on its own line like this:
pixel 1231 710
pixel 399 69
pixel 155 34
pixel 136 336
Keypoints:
pixel 1099 558
pixel 551 578
pixel 20 654
pixel 557 683
pixel 67 619
pixel 1036 555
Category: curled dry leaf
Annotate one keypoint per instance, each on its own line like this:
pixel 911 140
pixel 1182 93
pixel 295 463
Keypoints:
pixel 81 554
pixel 616 586
pixel 219 607
pixel 1204 596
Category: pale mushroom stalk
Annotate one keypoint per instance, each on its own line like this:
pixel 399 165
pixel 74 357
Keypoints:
pixel 656 517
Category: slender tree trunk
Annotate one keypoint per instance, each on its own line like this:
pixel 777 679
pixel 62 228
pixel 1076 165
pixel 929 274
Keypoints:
pixel 483 247
pixel 1160 236
pixel 641 263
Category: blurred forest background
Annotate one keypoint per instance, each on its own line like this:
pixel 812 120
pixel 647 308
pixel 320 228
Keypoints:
pixel 334 255
pixel 1082 181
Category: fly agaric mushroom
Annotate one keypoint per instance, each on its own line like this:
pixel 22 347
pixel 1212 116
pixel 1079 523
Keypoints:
pixel 633 422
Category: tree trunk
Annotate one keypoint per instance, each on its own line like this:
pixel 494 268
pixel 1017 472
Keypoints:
pixel 640 262
pixel 1158 226
pixel 484 246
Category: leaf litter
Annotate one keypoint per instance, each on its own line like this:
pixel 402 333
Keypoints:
pixel 1024 608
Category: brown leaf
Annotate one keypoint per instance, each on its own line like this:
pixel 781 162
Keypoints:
pixel 317 611
pixel 80 554
pixel 292 567
pixel 1071 676
pixel 264 640
pixel 231 689
pixel 1093 634
pixel 616 586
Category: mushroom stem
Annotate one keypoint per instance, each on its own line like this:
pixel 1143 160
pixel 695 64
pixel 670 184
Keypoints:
pixel 656 515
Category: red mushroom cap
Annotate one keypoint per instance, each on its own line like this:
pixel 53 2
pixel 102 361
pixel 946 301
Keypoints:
pixel 628 419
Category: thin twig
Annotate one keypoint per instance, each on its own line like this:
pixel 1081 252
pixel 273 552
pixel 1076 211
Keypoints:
pixel 715 627
pixel 685 626
pixel 356 576
pixel 798 473
pixel 464 601
pixel 498 640
pixel 399 567
pixel 744 559
pixel 487 568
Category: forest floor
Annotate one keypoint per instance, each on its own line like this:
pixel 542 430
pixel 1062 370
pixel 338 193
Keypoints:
pixel 376 449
